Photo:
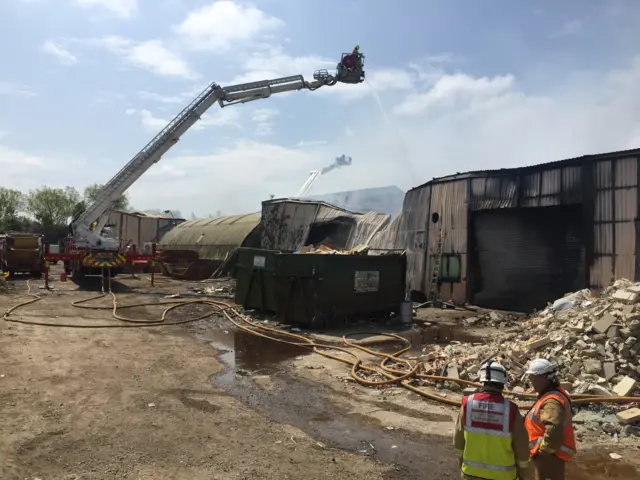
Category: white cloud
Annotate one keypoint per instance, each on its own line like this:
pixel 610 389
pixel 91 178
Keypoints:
pixel 64 56
pixel 156 97
pixel 259 168
pixel 224 24
pixel 10 89
pixel 452 88
pixel 570 28
pixel 225 117
pixel 122 8
pixel 18 167
pixel 271 62
pixel 263 119
pixel 151 55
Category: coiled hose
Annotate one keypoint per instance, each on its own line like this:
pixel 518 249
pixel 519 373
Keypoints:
pixel 392 370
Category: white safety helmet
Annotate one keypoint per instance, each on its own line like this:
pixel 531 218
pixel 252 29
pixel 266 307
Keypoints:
pixel 493 372
pixel 542 367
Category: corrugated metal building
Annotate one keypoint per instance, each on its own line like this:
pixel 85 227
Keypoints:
pixel 517 238
pixel 214 238
pixel 138 228
pixel 288 224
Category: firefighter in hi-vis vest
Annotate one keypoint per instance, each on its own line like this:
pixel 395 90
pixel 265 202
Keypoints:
pixel 490 438
pixel 549 423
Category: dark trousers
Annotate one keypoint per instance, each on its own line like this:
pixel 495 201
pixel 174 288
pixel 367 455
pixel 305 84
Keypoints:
pixel 548 467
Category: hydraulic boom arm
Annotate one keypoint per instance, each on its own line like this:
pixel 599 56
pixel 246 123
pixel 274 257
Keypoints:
pixel 349 70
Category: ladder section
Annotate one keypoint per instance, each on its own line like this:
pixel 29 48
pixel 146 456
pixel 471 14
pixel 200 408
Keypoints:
pixel 111 191
pixel 435 271
pixel 244 87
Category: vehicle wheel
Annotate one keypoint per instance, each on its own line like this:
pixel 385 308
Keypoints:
pixel 77 275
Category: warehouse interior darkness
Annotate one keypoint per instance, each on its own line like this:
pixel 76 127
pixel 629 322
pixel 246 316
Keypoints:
pixel 333 232
pixel 522 258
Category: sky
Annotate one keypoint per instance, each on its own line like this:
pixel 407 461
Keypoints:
pixel 452 86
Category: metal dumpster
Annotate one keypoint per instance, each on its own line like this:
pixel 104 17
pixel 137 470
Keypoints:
pixel 254 272
pixel 319 290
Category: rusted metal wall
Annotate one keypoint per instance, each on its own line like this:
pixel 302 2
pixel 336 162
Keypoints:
pixel 527 188
pixel 138 229
pixel 413 234
pixel 285 223
pixel 388 238
pixel 615 210
pixel 450 201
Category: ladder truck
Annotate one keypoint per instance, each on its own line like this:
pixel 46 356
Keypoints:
pixel 91 249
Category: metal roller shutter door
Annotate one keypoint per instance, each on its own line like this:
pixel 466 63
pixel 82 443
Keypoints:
pixel 527 257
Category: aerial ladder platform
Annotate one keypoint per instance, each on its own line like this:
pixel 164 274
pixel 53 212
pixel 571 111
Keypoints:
pixel 91 248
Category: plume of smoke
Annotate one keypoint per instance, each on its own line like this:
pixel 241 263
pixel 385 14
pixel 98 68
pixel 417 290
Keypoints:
pixel 341 161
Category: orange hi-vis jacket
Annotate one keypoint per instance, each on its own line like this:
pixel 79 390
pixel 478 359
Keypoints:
pixel 537 429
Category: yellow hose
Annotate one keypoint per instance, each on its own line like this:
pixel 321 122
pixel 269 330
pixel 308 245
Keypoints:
pixel 392 370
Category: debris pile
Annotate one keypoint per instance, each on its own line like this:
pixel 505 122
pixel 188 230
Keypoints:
pixel 328 249
pixel 591 336
pixel 494 319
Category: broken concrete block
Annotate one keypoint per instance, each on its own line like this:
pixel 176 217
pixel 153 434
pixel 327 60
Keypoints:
pixel 602 325
pixel 575 368
pixel 628 309
pixel 634 289
pixel 452 371
pixel 626 297
pixel 613 332
pixel 629 416
pixel 592 366
pixel 469 391
pixel 581 344
pixel 609 369
pixel 626 386
pixel 535 344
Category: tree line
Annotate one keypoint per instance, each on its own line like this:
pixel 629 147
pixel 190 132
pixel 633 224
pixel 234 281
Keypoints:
pixel 46 209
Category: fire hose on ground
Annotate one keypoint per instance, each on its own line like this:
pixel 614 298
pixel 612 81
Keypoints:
pixel 392 370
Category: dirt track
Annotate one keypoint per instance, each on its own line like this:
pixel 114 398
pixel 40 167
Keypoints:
pixel 142 403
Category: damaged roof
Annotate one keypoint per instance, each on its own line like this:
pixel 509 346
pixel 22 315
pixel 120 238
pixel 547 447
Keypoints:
pixel 635 152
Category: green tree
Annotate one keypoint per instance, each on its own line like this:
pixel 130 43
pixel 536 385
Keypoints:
pixel 11 203
pixel 91 194
pixel 51 207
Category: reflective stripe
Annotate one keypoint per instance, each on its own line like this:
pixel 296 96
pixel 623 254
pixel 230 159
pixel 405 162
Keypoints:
pixel 567 450
pixel 523 464
pixel 486 466
pixel 487 431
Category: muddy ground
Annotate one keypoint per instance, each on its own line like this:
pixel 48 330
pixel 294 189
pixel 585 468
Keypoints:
pixel 204 401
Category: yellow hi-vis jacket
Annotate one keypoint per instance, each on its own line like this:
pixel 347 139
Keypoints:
pixel 485 438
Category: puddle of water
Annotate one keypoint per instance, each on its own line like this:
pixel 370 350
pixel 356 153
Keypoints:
pixel 443 334
pixel 306 405
pixel 243 352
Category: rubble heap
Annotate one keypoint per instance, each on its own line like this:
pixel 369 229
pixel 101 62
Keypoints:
pixel 592 337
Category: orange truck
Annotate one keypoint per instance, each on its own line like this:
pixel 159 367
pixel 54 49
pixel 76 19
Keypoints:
pixel 22 253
